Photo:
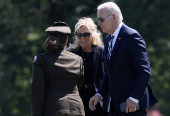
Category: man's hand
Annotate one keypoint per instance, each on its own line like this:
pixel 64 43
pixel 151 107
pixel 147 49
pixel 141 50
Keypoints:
pixel 93 101
pixel 131 105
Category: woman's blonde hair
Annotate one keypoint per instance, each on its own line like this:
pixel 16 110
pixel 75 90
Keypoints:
pixel 92 28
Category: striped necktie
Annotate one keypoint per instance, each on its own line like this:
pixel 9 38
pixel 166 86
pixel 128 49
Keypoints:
pixel 110 48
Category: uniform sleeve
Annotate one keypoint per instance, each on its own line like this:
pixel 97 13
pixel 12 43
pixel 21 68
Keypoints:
pixel 140 60
pixel 37 87
pixel 81 79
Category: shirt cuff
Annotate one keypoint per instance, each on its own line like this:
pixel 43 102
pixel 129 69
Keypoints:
pixel 99 95
pixel 133 99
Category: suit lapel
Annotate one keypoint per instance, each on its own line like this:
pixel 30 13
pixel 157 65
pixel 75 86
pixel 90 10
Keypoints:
pixel 95 60
pixel 117 43
pixel 115 46
pixel 106 63
pixel 106 48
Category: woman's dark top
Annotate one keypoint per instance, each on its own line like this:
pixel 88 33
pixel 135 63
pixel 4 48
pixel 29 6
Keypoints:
pixel 92 77
pixel 88 90
pixel 88 67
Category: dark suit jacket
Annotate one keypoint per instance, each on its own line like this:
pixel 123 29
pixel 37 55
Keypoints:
pixel 128 72
pixel 54 87
pixel 98 71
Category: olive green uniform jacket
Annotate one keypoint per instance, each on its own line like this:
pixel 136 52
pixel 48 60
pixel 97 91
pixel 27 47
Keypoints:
pixel 56 79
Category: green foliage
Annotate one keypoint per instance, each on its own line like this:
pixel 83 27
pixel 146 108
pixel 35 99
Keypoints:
pixel 22 34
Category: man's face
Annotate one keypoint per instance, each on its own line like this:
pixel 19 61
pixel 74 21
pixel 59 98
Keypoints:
pixel 106 21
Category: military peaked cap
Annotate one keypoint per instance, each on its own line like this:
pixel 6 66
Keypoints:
pixel 60 27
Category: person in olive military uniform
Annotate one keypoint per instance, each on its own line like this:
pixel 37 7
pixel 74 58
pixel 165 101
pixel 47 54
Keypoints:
pixel 57 75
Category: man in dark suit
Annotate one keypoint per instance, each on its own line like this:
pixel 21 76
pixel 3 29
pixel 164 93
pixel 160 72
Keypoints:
pixel 127 65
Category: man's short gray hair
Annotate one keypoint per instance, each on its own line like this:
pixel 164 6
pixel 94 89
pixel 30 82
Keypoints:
pixel 112 8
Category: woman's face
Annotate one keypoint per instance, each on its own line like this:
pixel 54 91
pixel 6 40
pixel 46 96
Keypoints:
pixel 84 37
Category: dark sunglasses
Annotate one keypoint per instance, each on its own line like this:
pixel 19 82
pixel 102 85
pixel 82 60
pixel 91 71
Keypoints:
pixel 85 35
pixel 101 19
